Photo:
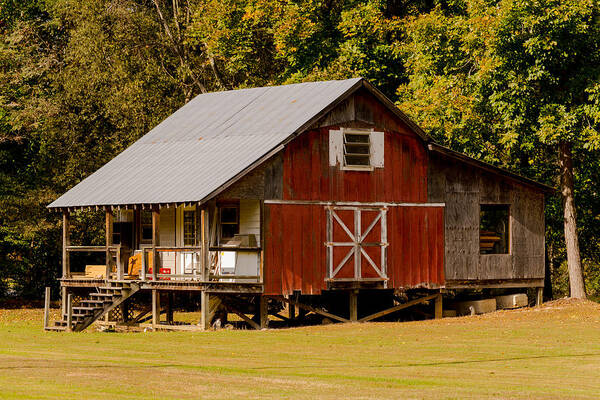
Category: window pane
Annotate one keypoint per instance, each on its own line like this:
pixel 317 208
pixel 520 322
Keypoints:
pixel 189 228
pixel 146 217
pixel 146 222
pixel 357 160
pixel 229 230
pixel 493 229
pixel 116 233
pixel 229 215
pixel 147 232
pixel 356 138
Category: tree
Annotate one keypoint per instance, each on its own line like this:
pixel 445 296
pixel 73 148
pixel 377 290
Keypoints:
pixel 520 76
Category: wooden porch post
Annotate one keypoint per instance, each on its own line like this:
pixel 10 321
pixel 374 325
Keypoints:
pixel 353 305
pixel 109 240
pixel 66 239
pixel 155 242
pixel 539 299
pixel 204 244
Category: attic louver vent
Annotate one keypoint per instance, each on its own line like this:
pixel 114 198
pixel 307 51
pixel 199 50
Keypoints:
pixel 357 148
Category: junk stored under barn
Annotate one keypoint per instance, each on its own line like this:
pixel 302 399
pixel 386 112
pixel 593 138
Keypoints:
pixel 321 196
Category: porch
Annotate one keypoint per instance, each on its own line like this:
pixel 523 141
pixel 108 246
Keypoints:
pixel 183 246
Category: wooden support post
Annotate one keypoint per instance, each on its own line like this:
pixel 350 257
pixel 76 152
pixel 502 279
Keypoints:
pixel 539 299
pixel 143 268
pixel 169 307
pixel 69 312
pixel 302 313
pixel 66 239
pixel 155 242
pixel 119 265
pixel 109 241
pixel 205 310
pixel 125 311
pixel 438 307
pixel 63 302
pixel 204 244
pixel 353 302
pixel 155 307
pixel 263 306
pixel 261 261
pixel 291 311
pixel 136 229
pixel 47 308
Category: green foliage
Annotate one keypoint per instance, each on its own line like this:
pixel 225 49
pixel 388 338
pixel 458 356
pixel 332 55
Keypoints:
pixel 506 81
pixel 501 80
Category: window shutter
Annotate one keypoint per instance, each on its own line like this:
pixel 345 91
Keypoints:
pixel 377 146
pixel 336 148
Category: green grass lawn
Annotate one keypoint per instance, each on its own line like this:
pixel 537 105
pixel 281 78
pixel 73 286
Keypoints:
pixel 547 352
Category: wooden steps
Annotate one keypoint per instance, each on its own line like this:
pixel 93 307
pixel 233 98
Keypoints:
pixel 96 305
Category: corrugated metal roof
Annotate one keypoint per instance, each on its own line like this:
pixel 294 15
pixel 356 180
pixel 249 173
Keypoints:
pixel 213 140
pixel 205 144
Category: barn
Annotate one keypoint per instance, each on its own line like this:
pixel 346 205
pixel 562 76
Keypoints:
pixel 322 196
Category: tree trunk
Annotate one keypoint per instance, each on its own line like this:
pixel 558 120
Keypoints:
pixel 549 267
pixel 566 186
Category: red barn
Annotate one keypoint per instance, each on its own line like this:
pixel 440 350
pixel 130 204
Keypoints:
pixel 321 195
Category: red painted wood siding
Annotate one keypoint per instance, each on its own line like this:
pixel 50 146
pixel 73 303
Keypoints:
pixel 416 250
pixel 295 255
pixel 308 176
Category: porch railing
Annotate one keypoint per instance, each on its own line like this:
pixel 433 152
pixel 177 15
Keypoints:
pixel 189 261
pixel 224 264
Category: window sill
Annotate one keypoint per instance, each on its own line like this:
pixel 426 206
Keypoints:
pixel 366 168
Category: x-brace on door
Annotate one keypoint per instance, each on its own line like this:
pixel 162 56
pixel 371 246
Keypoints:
pixel 356 243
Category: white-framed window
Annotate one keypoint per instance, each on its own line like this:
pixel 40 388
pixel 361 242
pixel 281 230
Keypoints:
pixel 356 149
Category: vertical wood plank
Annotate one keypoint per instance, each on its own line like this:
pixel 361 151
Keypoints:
pixel 66 240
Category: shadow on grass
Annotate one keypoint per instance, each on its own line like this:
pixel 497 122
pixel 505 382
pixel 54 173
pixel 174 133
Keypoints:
pixel 222 368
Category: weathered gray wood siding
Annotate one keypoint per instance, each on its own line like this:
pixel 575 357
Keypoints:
pixel 264 182
pixel 463 188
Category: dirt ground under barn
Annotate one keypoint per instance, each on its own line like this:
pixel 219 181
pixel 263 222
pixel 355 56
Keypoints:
pixel 548 352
